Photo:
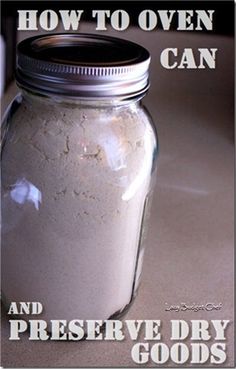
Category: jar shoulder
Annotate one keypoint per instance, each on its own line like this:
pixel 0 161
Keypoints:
pixel 115 147
pixel 131 120
pixel 117 133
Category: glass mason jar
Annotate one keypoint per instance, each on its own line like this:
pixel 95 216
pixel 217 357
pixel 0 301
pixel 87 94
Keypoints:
pixel 78 161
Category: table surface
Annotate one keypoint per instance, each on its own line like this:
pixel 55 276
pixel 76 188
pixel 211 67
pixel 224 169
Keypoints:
pixel 189 255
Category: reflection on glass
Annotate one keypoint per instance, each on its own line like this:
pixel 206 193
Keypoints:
pixel 115 152
pixel 23 191
pixel 142 175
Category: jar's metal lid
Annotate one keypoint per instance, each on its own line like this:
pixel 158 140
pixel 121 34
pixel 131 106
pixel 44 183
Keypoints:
pixel 82 65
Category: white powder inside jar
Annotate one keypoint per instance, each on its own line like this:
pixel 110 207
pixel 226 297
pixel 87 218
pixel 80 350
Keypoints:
pixel 75 250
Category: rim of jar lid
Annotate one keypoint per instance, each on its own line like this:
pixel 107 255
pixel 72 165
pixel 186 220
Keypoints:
pixel 82 65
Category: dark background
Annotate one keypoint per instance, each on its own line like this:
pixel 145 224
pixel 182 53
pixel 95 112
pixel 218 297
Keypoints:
pixel 223 16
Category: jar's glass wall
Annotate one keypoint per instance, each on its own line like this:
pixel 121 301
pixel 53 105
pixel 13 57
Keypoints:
pixel 75 183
